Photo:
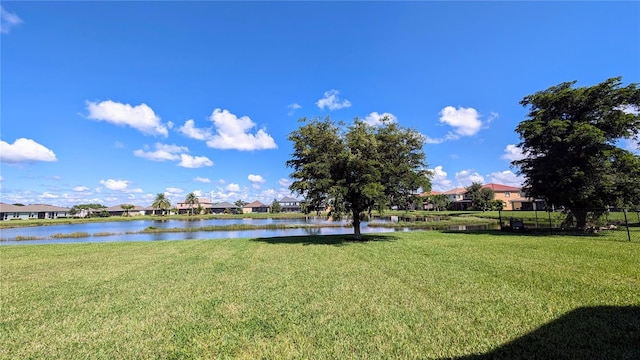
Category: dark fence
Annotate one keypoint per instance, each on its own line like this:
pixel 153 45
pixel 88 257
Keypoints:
pixel 620 224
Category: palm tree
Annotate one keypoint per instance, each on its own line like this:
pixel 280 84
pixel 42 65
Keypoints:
pixel 161 202
pixel 192 200
pixel 127 207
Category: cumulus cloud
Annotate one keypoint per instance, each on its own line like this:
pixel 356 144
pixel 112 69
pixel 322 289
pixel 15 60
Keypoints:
pixel 25 150
pixel 201 179
pixel 194 162
pixel 506 177
pixel 232 132
pixel 189 129
pixel 512 153
pixel 165 152
pixel 375 119
pixel 115 185
pixel 8 20
pixel 292 108
pixel 173 190
pixel 81 189
pixel 439 180
pixel 465 121
pixel 256 180
pixel 465 178
pixel 430 140
pixel 285 182
pixel 332 101
pixel 233 187
pixel 140 117
pixel 162 152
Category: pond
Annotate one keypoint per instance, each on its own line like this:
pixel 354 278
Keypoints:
pixel 130 230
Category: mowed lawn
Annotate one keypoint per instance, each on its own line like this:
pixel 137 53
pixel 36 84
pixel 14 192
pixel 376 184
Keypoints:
pixel 399 295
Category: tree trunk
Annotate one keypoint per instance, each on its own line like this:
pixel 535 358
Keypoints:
pixel 356 224
pixel 581 219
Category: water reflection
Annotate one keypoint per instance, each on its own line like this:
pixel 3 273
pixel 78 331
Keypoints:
pixel 130 230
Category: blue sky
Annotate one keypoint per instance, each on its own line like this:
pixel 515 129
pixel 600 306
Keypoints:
pixel 114 102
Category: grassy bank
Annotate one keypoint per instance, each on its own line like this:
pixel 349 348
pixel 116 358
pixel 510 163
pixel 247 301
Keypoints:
pixel 401 295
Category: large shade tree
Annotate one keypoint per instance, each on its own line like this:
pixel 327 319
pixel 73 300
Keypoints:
pixel 357 168
pixel 571 145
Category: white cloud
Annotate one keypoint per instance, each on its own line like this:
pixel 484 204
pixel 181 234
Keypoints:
pixel 117 185
pixel 233 187
pixel 292 108
pixel 332 101
pixel 140 117
pixel 512 153
pixel 233 133
pixel 375 119
pixel 629 109
pixel 194 162
pixel 8 20
pixel 256 180
pixel 81 189
pixel 285 182
pixel 25 150
pixel 189 129
pixel 439 180
pixel 162 152
pixel 430 140
pixel 173 190
pixel 506 177
pixel 465 178
pixel 201 179
pixel 492 116
pixel 465 121
pixel 48 195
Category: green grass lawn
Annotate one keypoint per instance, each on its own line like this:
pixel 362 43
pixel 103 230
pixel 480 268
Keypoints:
pixel 400 295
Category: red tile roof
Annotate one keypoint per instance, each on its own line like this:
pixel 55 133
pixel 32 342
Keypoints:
pixel 501 188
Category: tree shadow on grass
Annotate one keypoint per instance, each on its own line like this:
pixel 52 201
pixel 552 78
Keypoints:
pixel 526 232
pixel 599 332
pixel 336 240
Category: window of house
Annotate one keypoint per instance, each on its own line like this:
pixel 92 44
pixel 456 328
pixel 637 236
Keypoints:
pixel 507 194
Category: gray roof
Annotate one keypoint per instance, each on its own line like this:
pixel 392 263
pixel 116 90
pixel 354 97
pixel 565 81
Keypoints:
pixel 255 204
pixel 224 205
pixel 32 208
pixel 119 208
pixel 288 199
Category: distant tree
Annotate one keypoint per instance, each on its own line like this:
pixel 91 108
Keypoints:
pixel 18 204
pixel 357 168
pixel 440 201
pixel 480 197
pixel 191 200
pixel 570 141
pixel 127 207
pixel 275 206
pixel 161 202
pixel 240 204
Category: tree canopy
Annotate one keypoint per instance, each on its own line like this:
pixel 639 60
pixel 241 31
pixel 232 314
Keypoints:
pixel 356 168
pixel 161 202
pixel 481 197
pixel 571 143
pixel 191 200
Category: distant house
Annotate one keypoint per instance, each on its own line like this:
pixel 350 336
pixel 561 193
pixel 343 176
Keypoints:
pixel 255 207
pixel 224 207
pixel 458 198
pixel 34 211
pixel 204 204
pixel 117 210
pixel 289 204
pixel 426 205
